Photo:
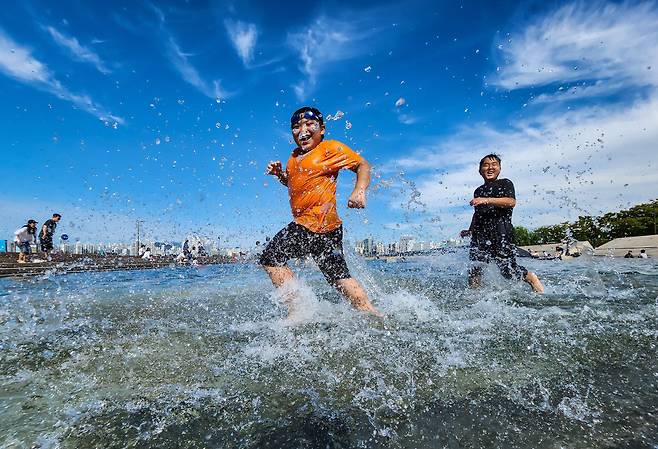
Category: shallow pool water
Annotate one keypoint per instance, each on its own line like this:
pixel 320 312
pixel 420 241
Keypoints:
pixel 204 358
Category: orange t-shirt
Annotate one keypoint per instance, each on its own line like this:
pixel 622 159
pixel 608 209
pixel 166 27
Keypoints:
pixel 312 184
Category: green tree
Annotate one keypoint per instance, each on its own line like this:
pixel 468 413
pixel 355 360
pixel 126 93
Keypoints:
pixel 641 219
pixel 523 236
pixel 551 234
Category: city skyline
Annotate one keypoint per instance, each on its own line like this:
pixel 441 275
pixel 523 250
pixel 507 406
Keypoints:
pixel 169 113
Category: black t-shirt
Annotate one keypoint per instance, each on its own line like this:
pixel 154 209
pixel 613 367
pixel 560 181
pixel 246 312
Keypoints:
pixel 50 225
pixel 491 223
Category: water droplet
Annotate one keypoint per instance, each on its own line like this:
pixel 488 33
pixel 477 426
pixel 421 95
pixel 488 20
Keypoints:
pixel 367 69
pixel 477 50
pixel 218 100
pixel 337 116
pixel 466 110
pixel 226 127
pixel 157 141
pixel 180 101
pixel 348 124
pixel 401 101
pixel 218 125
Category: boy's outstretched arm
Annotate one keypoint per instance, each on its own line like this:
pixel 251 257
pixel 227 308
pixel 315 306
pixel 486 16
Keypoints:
pixel 275 168
pixel 357 199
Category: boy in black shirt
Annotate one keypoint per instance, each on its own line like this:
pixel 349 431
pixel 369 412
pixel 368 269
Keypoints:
pixel 491 230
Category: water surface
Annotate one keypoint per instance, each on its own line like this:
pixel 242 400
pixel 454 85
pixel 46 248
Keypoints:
pixel 203 358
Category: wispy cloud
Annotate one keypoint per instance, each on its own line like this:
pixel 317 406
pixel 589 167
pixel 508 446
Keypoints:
pixel 181 62
pixel 584 41
pixel 407 119
pixel 18 63
pixel 581 91
pixel 583 161
pixel 77 51
pixel 243 37
pixel 190 74
pixel 565 162
pixel 328 41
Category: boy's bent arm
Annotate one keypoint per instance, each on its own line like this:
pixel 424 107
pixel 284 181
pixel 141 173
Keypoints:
pixel 357 199
pixel 502 202
pixel 498 202
pixel 362 176
pixel 283 178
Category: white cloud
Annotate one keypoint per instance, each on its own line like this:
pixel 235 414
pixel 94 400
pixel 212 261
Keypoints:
pixel 584 41
pixel 581 162
pixel 17 62
pixel 190 74
pixel 180 61
pixel 578 92
pixel 328 41
pixel 243 37
pixel 407 119
pixel 77 51
pixel 565 162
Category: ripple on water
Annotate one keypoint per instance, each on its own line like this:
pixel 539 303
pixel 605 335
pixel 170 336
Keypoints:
pixel 182 358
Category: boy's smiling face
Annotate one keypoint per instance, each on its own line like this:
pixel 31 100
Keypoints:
pixel 490 169
pixel 308 133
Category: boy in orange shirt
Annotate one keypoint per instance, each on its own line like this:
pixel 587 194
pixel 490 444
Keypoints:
pixel 316 229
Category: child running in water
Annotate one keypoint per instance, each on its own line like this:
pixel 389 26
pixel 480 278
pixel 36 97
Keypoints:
pixel 310 175
pixel 491 230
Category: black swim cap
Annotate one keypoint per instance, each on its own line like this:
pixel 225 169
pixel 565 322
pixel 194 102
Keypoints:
pixel 306 112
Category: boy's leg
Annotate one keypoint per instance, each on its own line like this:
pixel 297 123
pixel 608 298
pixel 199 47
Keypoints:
pixel 478 257
pixel 474 277
pixel 279 275
pixel 356 294
pixel 532 279
pixel 327 252
pixel 510 269
pixel 288 243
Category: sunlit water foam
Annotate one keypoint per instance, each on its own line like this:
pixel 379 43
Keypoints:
pixel 210 360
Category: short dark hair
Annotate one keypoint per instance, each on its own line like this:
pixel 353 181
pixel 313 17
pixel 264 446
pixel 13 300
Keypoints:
pixel 57 216
pixel 299 114
pixel 490 156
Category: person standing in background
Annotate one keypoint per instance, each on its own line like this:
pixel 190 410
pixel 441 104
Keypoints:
pixel 46 235
pixel 24 236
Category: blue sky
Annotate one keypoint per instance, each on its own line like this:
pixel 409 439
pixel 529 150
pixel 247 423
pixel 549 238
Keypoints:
pixel 168 112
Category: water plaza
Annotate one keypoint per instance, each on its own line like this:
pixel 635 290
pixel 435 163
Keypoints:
pixel 329 225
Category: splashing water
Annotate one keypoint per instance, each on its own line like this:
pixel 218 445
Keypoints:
pixel 186 357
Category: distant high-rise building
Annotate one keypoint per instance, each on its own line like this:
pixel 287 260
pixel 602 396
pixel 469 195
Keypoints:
pixel 406 243
pixel 368 246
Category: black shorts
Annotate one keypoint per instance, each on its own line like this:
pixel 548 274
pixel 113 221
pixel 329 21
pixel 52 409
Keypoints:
pixel 46 244
pixel 503 255
pixel 295 241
